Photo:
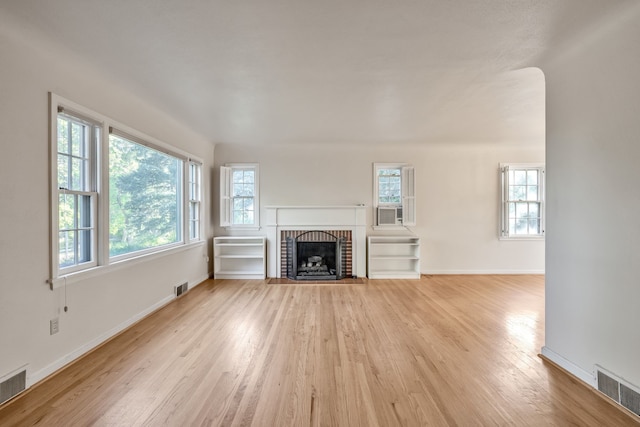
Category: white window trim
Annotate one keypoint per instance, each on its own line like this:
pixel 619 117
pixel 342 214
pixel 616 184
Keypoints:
pixel 78 276
pixel 503 225
pixel 103 262
pixel 56 104
pixel 408 190
pixel 225 196
pixel 133 136
pixel 197 200
pixel 94 241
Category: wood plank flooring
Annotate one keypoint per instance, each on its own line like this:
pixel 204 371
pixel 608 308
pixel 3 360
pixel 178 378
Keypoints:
pixel 441 351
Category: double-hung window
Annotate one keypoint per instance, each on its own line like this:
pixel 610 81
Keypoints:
pixel 195 199
pixel 115 193
pixel 394 194
pixel 239 195
pixel 76 195
pixel 522 207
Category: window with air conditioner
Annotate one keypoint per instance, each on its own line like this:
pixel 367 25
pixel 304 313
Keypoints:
pixel 394 195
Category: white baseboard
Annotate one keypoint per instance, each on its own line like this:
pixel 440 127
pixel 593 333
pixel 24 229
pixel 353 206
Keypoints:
pixel 572 368
pixel 444 272
pixel 41 374
pixel 70 357
pixel 200 280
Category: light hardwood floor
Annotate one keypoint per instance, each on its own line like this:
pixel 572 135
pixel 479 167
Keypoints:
pixel 441 351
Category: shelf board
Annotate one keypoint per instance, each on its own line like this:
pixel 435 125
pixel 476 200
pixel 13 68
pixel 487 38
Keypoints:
pixel 241 256
pixel 394 275
pixel 240 244
pixel 239 273
pixel 395 257
pixel 394 243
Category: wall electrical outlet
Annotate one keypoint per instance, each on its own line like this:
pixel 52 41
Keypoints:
pixel 54 326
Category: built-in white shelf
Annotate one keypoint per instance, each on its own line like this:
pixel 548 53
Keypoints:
pixel 393 257
pixel 240 257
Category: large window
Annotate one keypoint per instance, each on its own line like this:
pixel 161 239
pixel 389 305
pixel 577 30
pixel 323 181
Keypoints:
pixel 115 195
pixel 522 201
pixel 145 197
pixel 239 196
pixel 394 198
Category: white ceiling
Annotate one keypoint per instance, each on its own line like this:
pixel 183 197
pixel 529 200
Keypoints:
pixel 335 71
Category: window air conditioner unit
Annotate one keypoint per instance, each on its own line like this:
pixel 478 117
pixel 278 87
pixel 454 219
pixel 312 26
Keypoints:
pixel 389 215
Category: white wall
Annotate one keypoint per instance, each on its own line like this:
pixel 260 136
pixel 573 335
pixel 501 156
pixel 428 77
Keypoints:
pixel 99 306
pixel 457 190
pixel 593 199
pixel 457 204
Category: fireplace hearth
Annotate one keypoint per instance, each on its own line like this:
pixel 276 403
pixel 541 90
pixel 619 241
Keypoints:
pixel 321 258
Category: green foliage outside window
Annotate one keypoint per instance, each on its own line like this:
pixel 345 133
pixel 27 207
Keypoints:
pixel 144 197
pixel 75 220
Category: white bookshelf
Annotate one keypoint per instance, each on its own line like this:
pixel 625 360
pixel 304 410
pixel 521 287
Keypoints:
pixel 393 257
pixel 239 257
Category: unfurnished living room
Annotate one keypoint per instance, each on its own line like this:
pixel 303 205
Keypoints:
pixel 342 213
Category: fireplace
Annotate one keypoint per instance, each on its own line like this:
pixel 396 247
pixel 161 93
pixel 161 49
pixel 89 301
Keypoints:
pixel 349 222
pixel 316 255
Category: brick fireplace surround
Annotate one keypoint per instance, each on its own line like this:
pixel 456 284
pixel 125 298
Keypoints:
pixel 305 235
pixel 349 221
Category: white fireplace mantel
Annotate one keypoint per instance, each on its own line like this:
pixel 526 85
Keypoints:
pixel 351 217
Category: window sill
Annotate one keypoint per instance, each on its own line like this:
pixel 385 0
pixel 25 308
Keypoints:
pixel 390 227
pixel 77 276
pixel 239 227
pixel 530 238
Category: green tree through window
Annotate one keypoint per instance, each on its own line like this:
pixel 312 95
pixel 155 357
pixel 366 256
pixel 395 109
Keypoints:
pixel 144 197
pixel 116 195
pixel 76 196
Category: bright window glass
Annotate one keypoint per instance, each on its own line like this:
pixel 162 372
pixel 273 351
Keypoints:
pixel 523 201
pixel 194 200
pixel 76 145
pixel 243 196
pixel 145 197
pixel 389 186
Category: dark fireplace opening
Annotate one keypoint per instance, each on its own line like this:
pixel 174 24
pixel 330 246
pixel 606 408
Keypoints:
pixel 315 260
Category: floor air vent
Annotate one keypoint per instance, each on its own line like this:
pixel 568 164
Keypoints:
pixel 13 384
pixel 181 289
pixel 618 390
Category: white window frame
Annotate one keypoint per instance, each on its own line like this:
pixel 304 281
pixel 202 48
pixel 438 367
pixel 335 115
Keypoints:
pixel 135 137
pixel 407 190
pixel 504 230
pixel 193 191
pixel 91 188
pixel 99 194
pixel 226 196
